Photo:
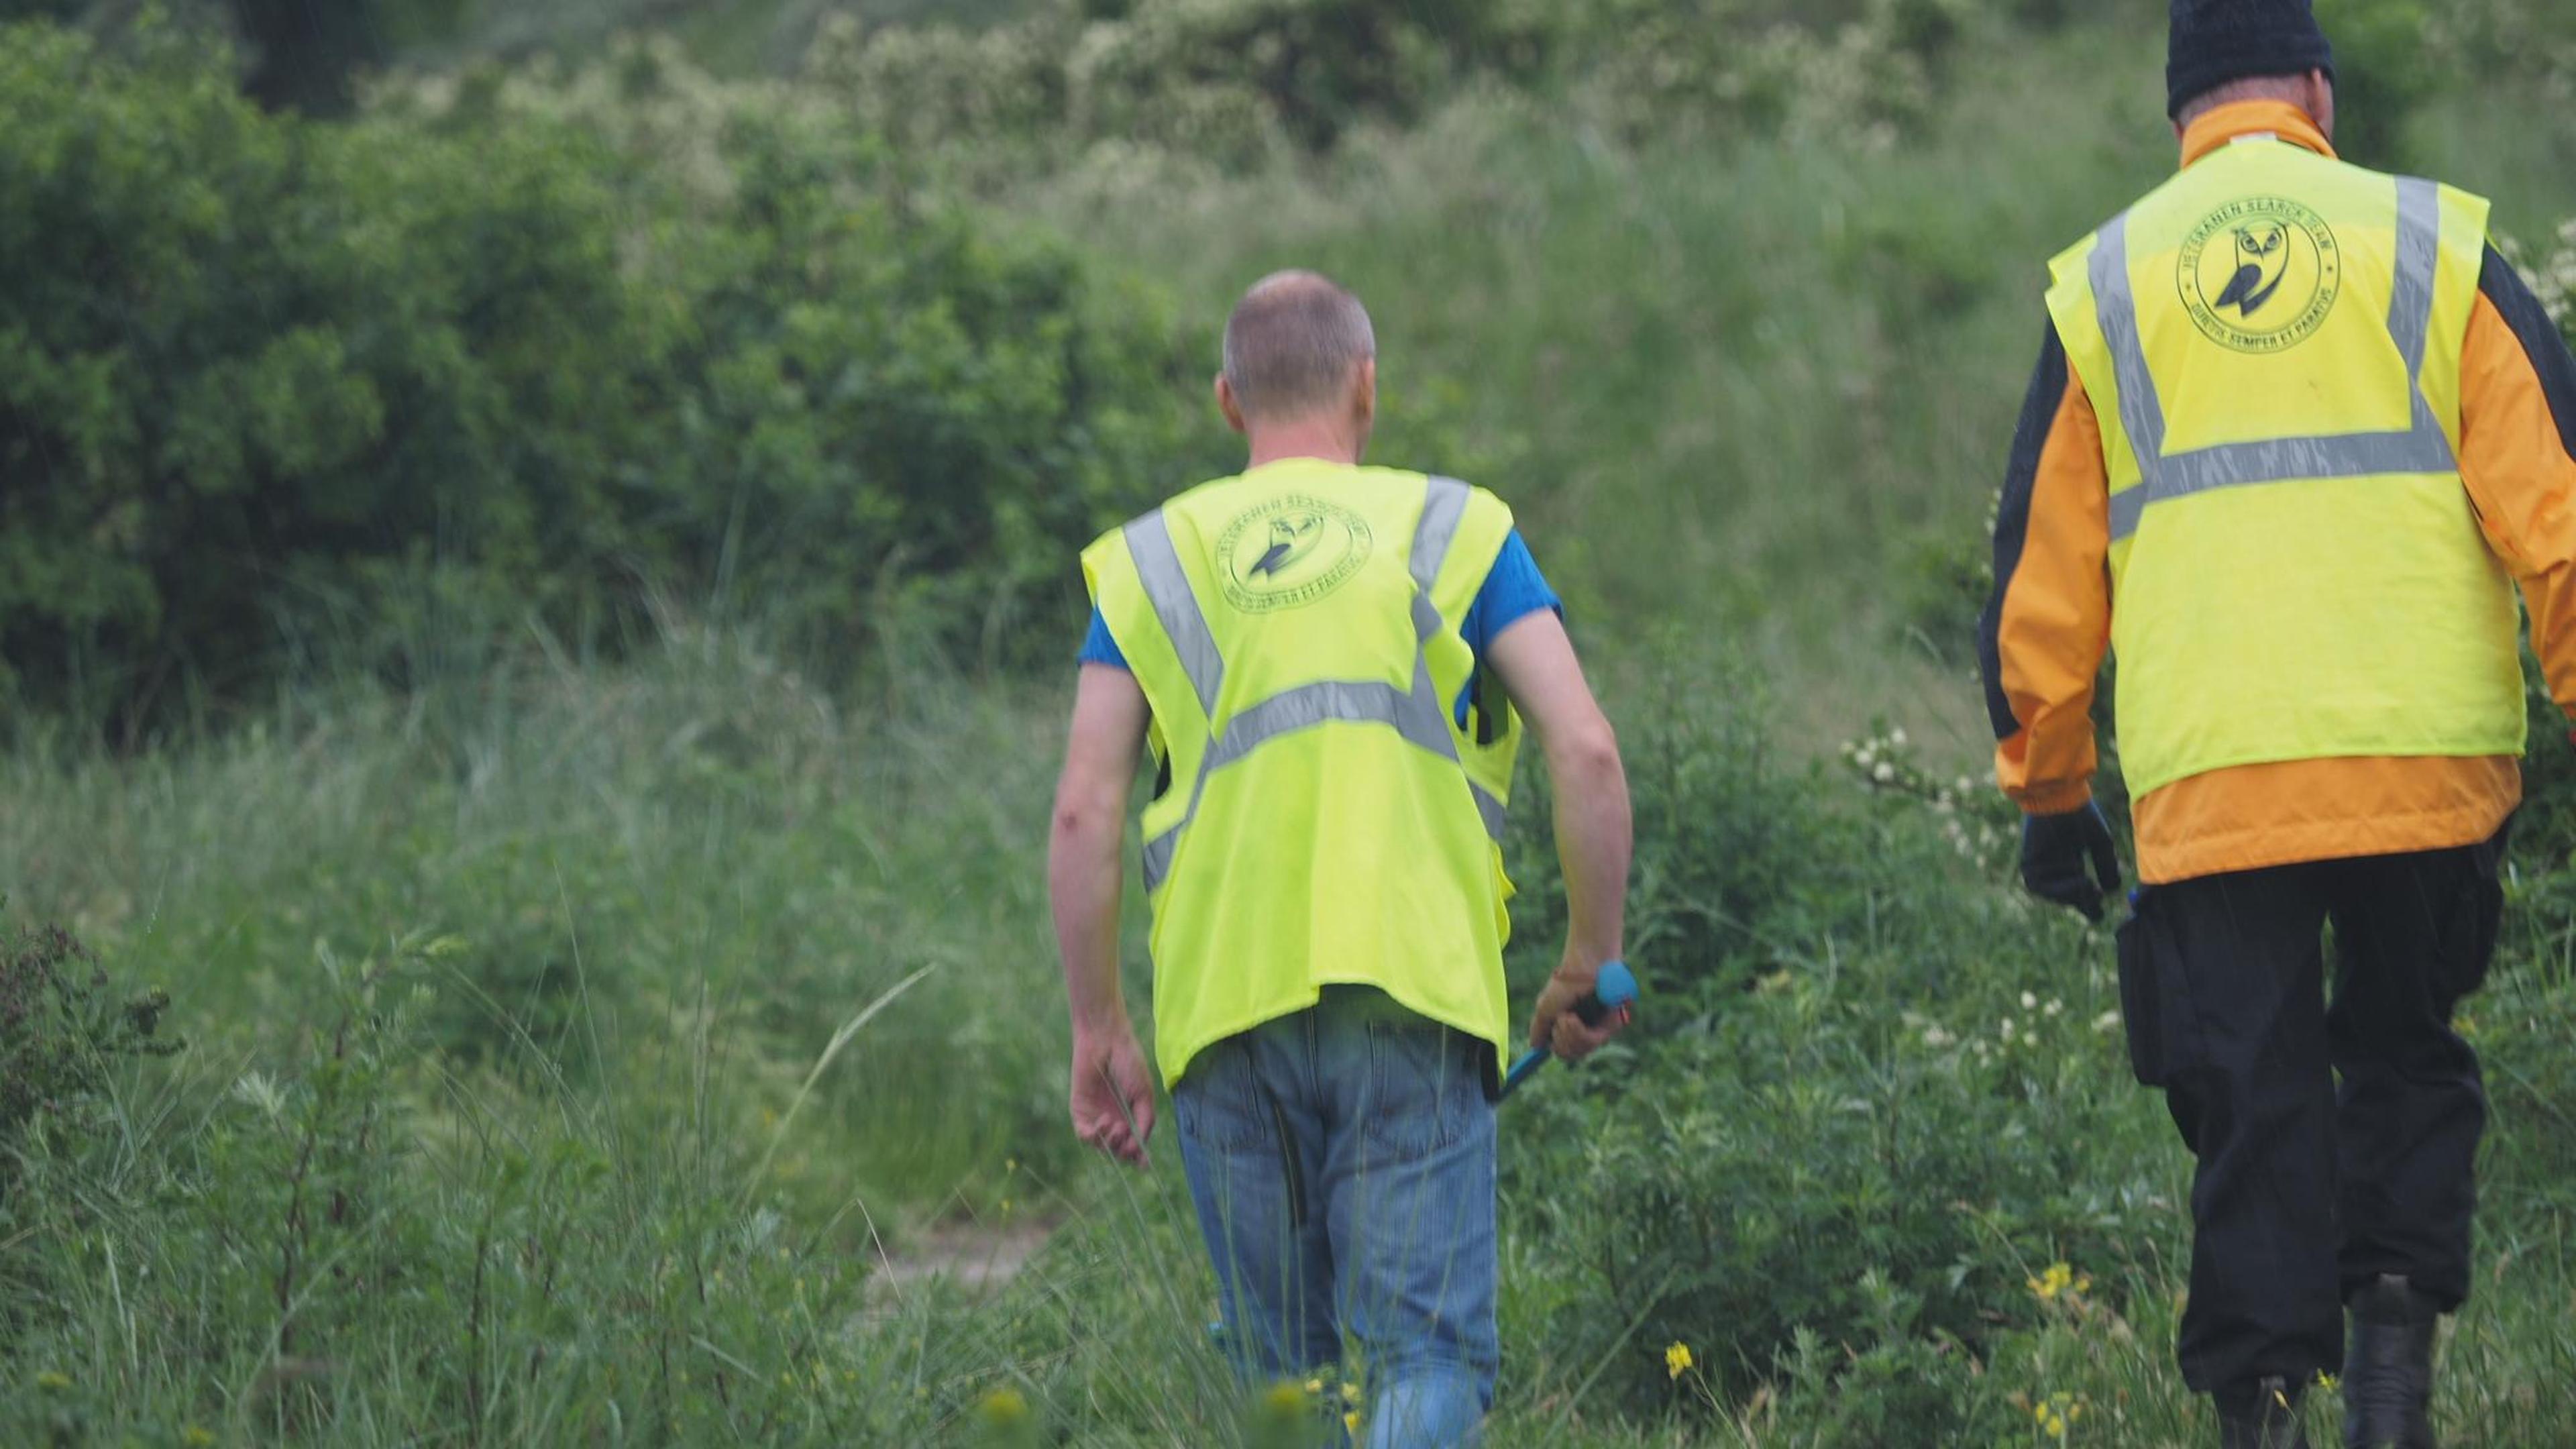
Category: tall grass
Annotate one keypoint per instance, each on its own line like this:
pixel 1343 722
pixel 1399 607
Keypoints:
pixel 553 1077
pixel 705 840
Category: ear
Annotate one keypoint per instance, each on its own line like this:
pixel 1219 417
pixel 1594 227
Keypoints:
pixel 1226 404
pixel 1364 390
pixel 2321 102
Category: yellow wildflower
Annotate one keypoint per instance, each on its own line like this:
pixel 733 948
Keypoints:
pixel 50 1379
pixel 2055 1413
pixel 2059 1281
pixel 1283 1399
pixel 1677 1360
pixel 1003 1407
pixel 1314 1386
pixel 1351 1421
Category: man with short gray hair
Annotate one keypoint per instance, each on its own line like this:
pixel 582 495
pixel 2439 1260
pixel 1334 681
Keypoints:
pixel 1329 665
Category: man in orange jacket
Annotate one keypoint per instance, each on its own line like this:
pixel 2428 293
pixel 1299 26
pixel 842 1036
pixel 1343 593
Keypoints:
pixel 2295 434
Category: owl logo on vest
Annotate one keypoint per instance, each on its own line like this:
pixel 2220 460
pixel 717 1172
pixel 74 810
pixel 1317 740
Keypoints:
pixel 1290 552
pixel 2260 275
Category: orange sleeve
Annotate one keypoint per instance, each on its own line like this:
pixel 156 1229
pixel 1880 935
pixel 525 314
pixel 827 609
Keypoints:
pixel 2518 458
pixel 2048 624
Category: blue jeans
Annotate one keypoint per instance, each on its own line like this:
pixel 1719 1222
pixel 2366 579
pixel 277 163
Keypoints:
pixel 1342 1162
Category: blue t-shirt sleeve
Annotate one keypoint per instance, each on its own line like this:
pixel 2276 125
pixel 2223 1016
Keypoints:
pixel 1099 648
pixel 1514 589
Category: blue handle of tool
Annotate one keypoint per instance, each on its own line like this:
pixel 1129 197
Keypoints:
pixel 1614 988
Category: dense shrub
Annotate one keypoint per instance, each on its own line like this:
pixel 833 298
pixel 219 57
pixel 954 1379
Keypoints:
pixel 62 1026
pixel 2384 70
pixel 374 383
pixel 1239 82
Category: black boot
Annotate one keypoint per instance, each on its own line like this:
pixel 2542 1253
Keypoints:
pixel 2265 1416
pixel 2388 1368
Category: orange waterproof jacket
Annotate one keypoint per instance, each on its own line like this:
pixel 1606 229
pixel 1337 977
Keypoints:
pixel 2048 626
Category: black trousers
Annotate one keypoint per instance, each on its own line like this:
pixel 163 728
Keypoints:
pixel 2308 1189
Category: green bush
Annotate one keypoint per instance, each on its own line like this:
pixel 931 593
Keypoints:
pixel 2384 71
pixel 263 378
pixel 1237 83
pixel 61 1028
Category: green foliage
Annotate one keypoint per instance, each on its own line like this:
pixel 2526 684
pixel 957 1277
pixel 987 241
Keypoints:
pixel 261 374
pixel 328 1251
pixel 706 376
pixel 2497 38
pixel 1233 82
pixel 393 1194
pixel 2384 72
pixel 61 1028
pixel 1238 83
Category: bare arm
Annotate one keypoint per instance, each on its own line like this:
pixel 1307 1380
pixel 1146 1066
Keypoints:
pixel 1113 1090
pixel 1536 663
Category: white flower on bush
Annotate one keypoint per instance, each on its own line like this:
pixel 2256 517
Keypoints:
pixel 1935 1037
pixel 2108 1021
pixel 1884 773
pixel 2053 1007
pixel 2029 1002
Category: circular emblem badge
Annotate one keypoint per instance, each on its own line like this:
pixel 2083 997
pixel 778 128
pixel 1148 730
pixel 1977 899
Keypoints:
pixel 1290 552
pixel 2260 275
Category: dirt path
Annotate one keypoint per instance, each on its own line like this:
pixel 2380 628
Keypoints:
pixel 978 1257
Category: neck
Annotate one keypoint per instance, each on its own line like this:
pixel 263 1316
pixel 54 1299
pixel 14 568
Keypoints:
pixel 1303 438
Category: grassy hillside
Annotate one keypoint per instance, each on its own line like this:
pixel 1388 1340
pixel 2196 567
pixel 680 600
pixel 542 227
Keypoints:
pixel 661 1042
pixel 1737 385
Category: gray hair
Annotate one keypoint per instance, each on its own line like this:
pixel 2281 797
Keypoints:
pixel 1291 344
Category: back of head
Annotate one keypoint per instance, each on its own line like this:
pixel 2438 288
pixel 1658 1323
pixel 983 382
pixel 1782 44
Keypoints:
pixel 1293 347
pixel 2219 44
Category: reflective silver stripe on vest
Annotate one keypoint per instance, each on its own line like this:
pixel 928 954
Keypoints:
pixel 2423 448
pixel 1414 713
pixel 1167 586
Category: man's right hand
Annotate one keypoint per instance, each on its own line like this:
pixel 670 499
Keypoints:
pixel 2055 851
pixel 1113 1092
pixel 1555 1026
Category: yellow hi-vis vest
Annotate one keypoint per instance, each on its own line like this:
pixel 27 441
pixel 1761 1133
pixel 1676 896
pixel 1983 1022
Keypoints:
pixel 2272 342
pixel 1320 815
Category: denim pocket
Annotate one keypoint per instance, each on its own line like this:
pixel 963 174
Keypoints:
pixel 2141 999
pixel 1425 1085
pixel 1220 1106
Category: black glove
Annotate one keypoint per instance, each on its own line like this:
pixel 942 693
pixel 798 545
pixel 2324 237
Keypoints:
pixel 2053 851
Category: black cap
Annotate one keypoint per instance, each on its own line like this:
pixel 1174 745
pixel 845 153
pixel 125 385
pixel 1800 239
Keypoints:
pixel 2217 41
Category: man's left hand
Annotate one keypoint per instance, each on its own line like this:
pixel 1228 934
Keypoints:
pixel 2056 851
pixel 1555 1026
